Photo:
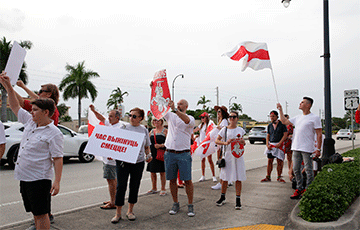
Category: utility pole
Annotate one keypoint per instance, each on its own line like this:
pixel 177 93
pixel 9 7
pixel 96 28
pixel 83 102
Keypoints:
pixel 217 95
pixel 286 106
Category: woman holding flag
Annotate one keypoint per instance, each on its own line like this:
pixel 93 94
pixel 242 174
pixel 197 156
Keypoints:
pixel 234 169
pixel 206 126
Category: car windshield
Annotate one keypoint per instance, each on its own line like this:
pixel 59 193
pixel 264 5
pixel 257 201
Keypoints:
pixel 344 130
pixel 258 129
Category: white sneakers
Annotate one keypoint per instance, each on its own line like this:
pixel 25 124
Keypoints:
pixel 202 178
pixel 216 187
pixel 214 179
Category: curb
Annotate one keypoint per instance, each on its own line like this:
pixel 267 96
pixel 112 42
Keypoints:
pixel 349 220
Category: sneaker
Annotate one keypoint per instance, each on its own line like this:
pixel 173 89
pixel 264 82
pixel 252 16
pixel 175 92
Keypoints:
pixel 214 179
pixel 266 179
pixel 191 212
pixel 202 178
pixel 221 201
pixel 238 205
pixel 230 184
pixel 297 194
pixel 280 179
pixel 216 187
pixel 175 209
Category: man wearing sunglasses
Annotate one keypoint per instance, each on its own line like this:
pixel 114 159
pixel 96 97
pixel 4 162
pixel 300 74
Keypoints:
pixel 46 91
pixel 177 156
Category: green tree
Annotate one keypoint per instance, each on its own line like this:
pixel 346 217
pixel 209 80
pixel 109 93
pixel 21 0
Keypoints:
pixel 5 49
pixel 77 84
pixel 116 98
pixel 245 117
pixel 236 107
pixel 203 101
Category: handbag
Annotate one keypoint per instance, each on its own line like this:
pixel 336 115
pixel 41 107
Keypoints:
pixel 159 152
pixel 221 162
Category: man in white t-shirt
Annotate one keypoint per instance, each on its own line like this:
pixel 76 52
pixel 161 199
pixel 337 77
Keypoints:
pixel 2 140
pixel 177 156
pixel 109 166
pixel 307 125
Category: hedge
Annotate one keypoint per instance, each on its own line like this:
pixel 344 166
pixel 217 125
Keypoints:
pixel 332 191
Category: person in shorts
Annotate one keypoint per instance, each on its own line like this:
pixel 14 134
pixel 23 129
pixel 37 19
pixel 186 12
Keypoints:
pixel 178 156
pixel 40 151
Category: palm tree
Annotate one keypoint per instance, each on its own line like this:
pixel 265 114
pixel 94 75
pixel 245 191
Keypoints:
pixel 116 98
pixel 236 107
pixel 77 84
pixel 203 101
pixel 5 49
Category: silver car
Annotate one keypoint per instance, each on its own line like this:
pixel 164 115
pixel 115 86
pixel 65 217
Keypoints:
pixel 74 143
pixel 258 133
pixel 345 133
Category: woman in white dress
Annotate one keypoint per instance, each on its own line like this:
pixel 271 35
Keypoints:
pixel 231 138
pixel 222 116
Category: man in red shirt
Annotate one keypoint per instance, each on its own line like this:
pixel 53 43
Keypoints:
pixel 357 115
pixel 46 91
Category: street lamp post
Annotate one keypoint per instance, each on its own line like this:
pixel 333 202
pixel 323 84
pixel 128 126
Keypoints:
pixel 329 143
pixel 173 87
pixel 230 101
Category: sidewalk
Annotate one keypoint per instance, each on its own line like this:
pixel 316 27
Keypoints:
pixel 266 205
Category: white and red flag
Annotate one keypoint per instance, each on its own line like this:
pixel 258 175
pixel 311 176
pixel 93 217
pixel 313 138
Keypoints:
pixel 207 146
pixel 160 95
pixel 92 122
pixel 237 149
pixel 254 55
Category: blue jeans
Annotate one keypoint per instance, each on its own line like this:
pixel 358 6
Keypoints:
pixel 298 157
pixel 175 162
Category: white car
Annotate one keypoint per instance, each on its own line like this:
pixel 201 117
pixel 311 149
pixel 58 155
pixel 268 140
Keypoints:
pixel 74 143
pixel 345 133
pixel 258 133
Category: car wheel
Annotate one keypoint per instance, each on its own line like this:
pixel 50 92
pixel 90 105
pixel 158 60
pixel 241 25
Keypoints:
pixel 85 157
pixel 12 155
pixel 252 142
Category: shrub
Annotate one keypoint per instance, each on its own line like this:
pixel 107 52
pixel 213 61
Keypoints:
pixel 332 191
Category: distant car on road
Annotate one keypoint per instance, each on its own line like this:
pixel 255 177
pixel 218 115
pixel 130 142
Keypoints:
pixel 74 143
pixel 258 133
pixel 345 133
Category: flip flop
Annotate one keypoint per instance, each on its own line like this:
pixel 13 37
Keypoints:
pixel 115 219
pixel 152 191
pixel 108 206
pixel 106 202
pixel 163 193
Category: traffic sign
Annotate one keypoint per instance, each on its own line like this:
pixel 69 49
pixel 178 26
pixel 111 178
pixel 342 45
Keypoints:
pixel 351 103
pixel 351 93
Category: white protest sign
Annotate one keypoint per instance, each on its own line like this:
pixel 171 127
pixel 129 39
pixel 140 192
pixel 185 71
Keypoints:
pixel 119 144
pixel 15 62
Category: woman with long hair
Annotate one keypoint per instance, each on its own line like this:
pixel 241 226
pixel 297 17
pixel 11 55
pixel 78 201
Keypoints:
pixel 202 129
pixel 222 120
pixel 157 138
pixel 234 170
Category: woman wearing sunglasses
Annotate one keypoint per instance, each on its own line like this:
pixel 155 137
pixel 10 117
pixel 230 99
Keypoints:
pixel 125 170
pixel 231 138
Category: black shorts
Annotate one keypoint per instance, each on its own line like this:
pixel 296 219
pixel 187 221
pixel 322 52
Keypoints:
pixel 270 156
pixel 36 196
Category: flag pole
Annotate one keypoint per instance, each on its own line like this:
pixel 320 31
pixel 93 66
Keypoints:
pixel 277 97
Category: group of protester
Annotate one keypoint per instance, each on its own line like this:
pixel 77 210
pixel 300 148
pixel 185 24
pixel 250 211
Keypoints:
pixel 41 151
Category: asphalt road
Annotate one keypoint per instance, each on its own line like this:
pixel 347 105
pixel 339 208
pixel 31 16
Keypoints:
pixel 82 185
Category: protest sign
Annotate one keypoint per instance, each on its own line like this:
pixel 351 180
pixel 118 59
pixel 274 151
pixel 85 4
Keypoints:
pixel 15 62
pixel 119 144
pixel 160 95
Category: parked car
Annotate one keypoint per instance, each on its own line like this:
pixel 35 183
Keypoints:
pixel 345 133
pixel 83 129
pixel 74 144
pixel 258 133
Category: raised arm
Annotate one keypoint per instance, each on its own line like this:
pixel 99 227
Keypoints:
pixel 283 119
pixel 14 104
pixel 183 116
pixel 97 114
pixel 31 94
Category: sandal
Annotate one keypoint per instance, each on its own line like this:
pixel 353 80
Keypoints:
pixel 162 192
pixel 108 206
pixel 266 179
pixel 131 216
pixel 152 191
pixel 106 202
pixel 115 219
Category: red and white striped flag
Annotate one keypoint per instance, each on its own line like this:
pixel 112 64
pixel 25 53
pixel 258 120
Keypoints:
pixel 92 122
pixel 254 55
